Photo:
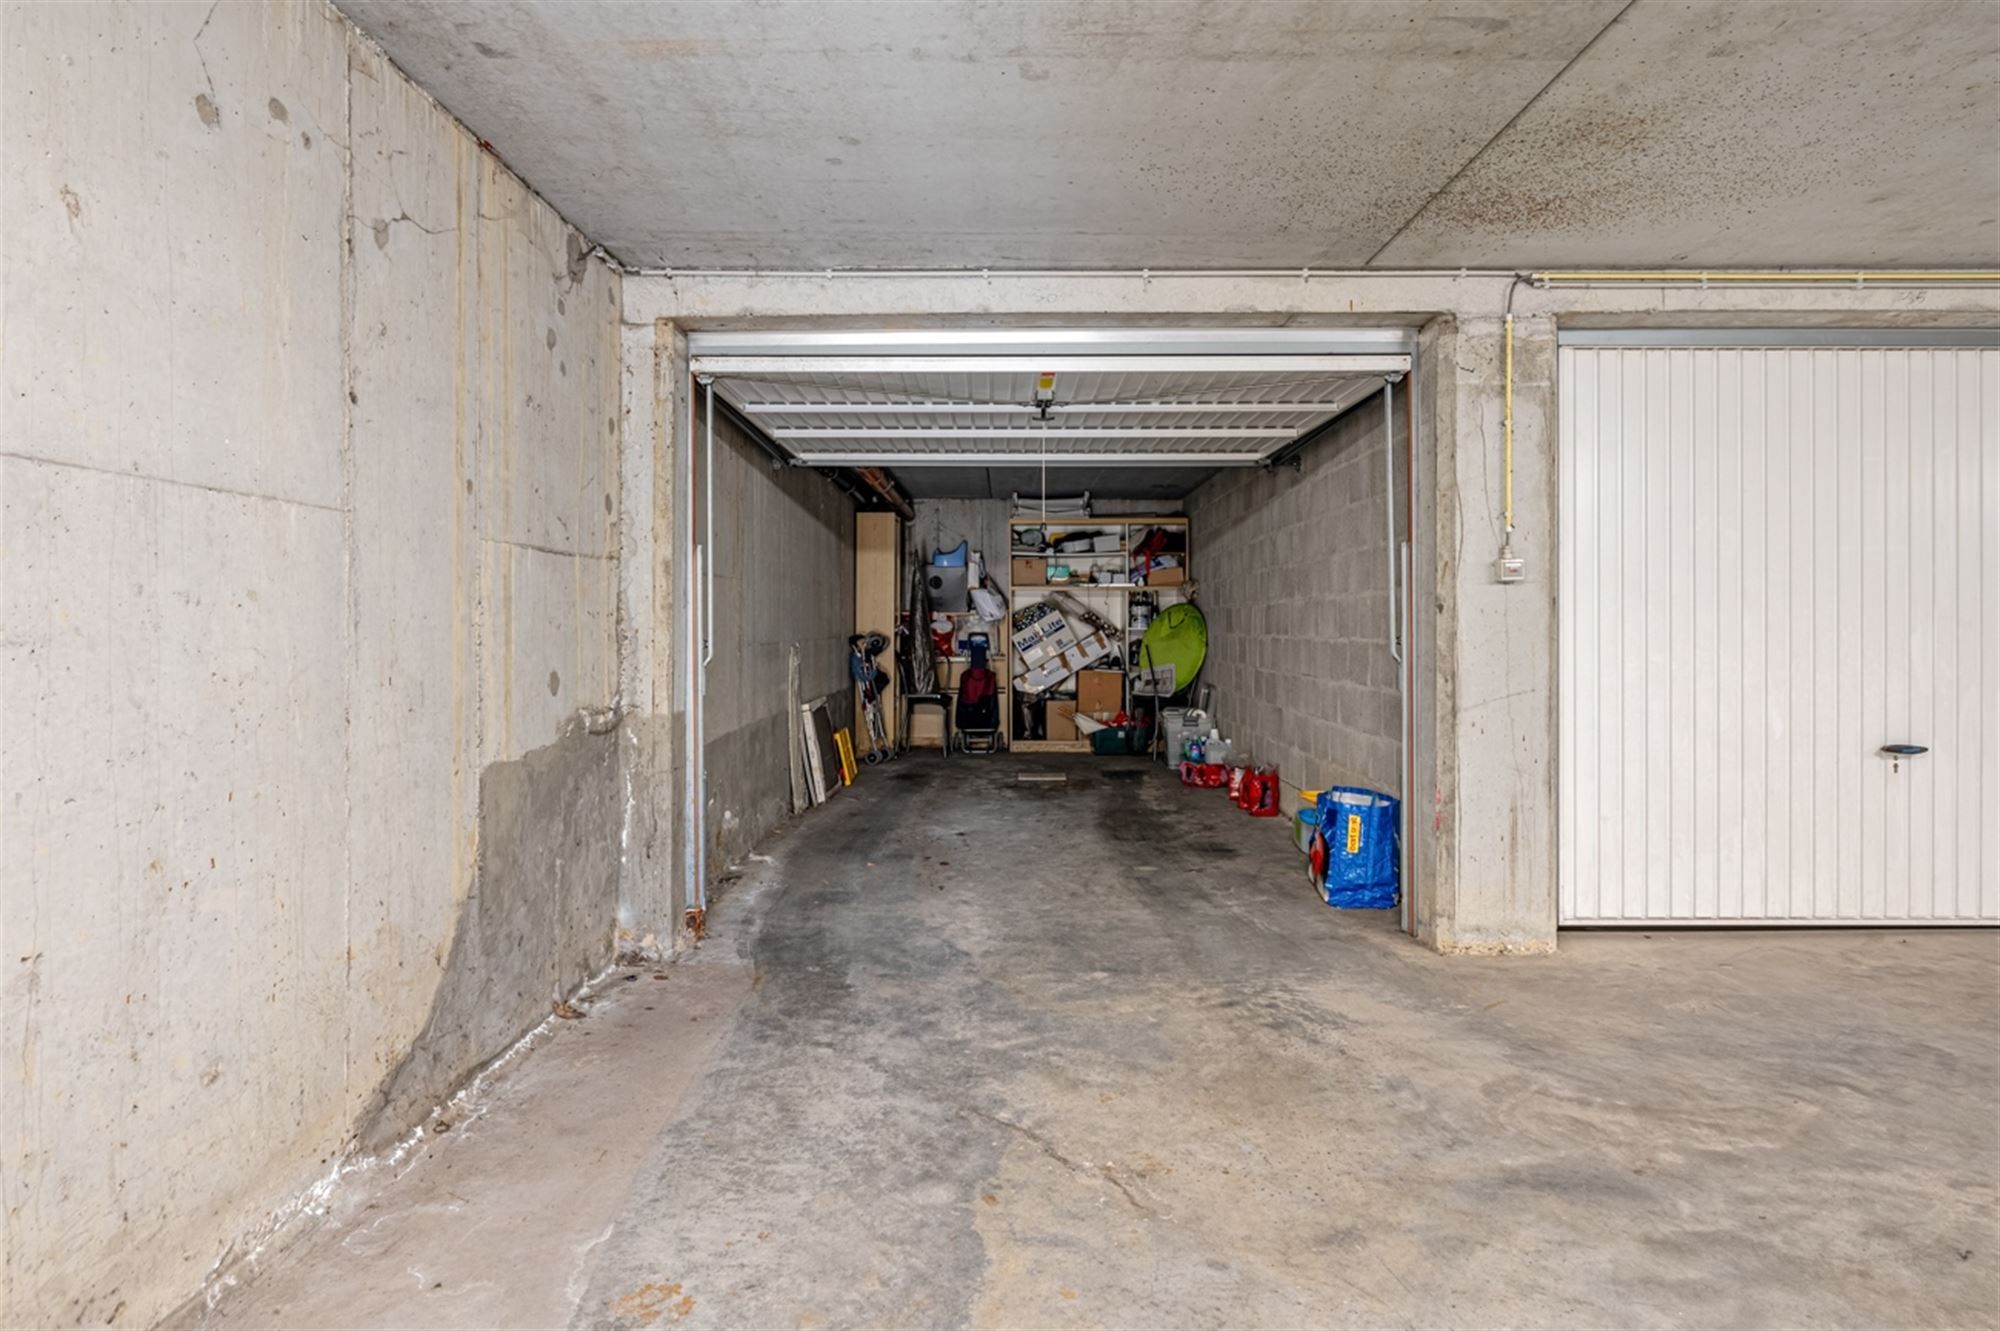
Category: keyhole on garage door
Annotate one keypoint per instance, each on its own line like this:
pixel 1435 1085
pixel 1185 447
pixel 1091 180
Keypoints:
pixel 1897 752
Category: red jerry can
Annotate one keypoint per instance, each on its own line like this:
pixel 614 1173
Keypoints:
pixel 1262 801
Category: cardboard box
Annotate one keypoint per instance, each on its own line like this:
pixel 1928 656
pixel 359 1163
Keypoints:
pixel 1050 671
pixel 1174 575
pixel 1044 640
pixel 1045 676
pixel 1100 691
pixel 1061 718
pixel 1030 572
pixel 1093 648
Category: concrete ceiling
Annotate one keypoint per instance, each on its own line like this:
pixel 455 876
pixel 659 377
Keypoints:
pixel 1095 133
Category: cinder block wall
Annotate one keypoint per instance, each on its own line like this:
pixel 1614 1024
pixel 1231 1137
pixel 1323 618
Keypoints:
pixel 307 505
pixel 784 578
pixel 1293 579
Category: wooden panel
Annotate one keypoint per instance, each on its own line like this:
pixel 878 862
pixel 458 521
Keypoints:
pixel 926 729
pixel 878 544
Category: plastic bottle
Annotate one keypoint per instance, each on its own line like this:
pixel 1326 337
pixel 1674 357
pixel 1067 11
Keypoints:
pixel 1220 750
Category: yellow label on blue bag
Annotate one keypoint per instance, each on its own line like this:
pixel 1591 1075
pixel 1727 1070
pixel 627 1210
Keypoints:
pixel 1353 833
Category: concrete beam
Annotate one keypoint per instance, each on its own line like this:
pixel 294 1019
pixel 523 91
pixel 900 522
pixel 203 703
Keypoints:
pixel 1408 300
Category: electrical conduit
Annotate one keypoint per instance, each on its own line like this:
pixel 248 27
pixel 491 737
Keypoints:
pixel 1389 507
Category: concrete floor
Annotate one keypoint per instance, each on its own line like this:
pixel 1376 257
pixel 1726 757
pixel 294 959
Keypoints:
pixel 976 1051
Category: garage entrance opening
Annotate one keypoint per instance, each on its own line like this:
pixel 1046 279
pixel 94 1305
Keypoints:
pixel 1186 543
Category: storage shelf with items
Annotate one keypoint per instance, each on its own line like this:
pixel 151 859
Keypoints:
pixel 1125 552
pixel 1061 554
pixel 1134 566
pixel 959 605
pixel 927 727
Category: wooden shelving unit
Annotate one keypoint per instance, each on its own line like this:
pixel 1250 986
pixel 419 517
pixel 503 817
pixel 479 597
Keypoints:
pixel 1110 599
pixel 878 591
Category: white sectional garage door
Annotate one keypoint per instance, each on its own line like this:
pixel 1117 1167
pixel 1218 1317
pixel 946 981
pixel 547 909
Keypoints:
pixel 1775 561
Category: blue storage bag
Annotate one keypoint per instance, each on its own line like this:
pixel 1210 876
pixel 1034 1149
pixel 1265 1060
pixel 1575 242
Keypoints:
pixel 1363 848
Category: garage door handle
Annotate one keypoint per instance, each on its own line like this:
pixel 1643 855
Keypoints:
pixel 1898 752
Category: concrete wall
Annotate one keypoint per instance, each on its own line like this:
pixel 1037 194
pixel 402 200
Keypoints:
pixel 940 524
pixel 784 579
pixel 1490 654
pixel 308 499
pixel 1293 577
pixel 653 536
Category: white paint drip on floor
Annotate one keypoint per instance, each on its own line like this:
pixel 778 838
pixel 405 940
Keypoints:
pixel 573 1288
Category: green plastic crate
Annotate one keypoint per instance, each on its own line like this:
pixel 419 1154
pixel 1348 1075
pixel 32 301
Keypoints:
pixel 1121 740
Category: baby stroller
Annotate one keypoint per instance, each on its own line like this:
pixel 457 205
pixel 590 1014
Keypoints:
pixel 978 704
pixel 862 649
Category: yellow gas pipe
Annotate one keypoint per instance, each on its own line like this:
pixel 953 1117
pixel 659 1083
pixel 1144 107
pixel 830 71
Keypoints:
pixel 1507 544
pixel 1774 278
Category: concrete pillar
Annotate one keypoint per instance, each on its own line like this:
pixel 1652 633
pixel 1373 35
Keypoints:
pixel 652 537
pixel 1484 851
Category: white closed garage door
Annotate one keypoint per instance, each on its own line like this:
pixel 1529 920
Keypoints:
pixel 1777 561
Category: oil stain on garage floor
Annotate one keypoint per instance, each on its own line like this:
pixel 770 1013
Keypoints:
pixel 1091 1053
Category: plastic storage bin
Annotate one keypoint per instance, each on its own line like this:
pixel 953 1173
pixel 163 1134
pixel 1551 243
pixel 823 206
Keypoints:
pixel 1183 724
pixel 1121 739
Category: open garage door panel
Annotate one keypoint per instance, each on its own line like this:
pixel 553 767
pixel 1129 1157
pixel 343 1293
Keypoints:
pixel 1777 562
pixel 1185 399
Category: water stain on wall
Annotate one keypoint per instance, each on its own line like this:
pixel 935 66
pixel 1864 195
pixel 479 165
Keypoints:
pixel 537 924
